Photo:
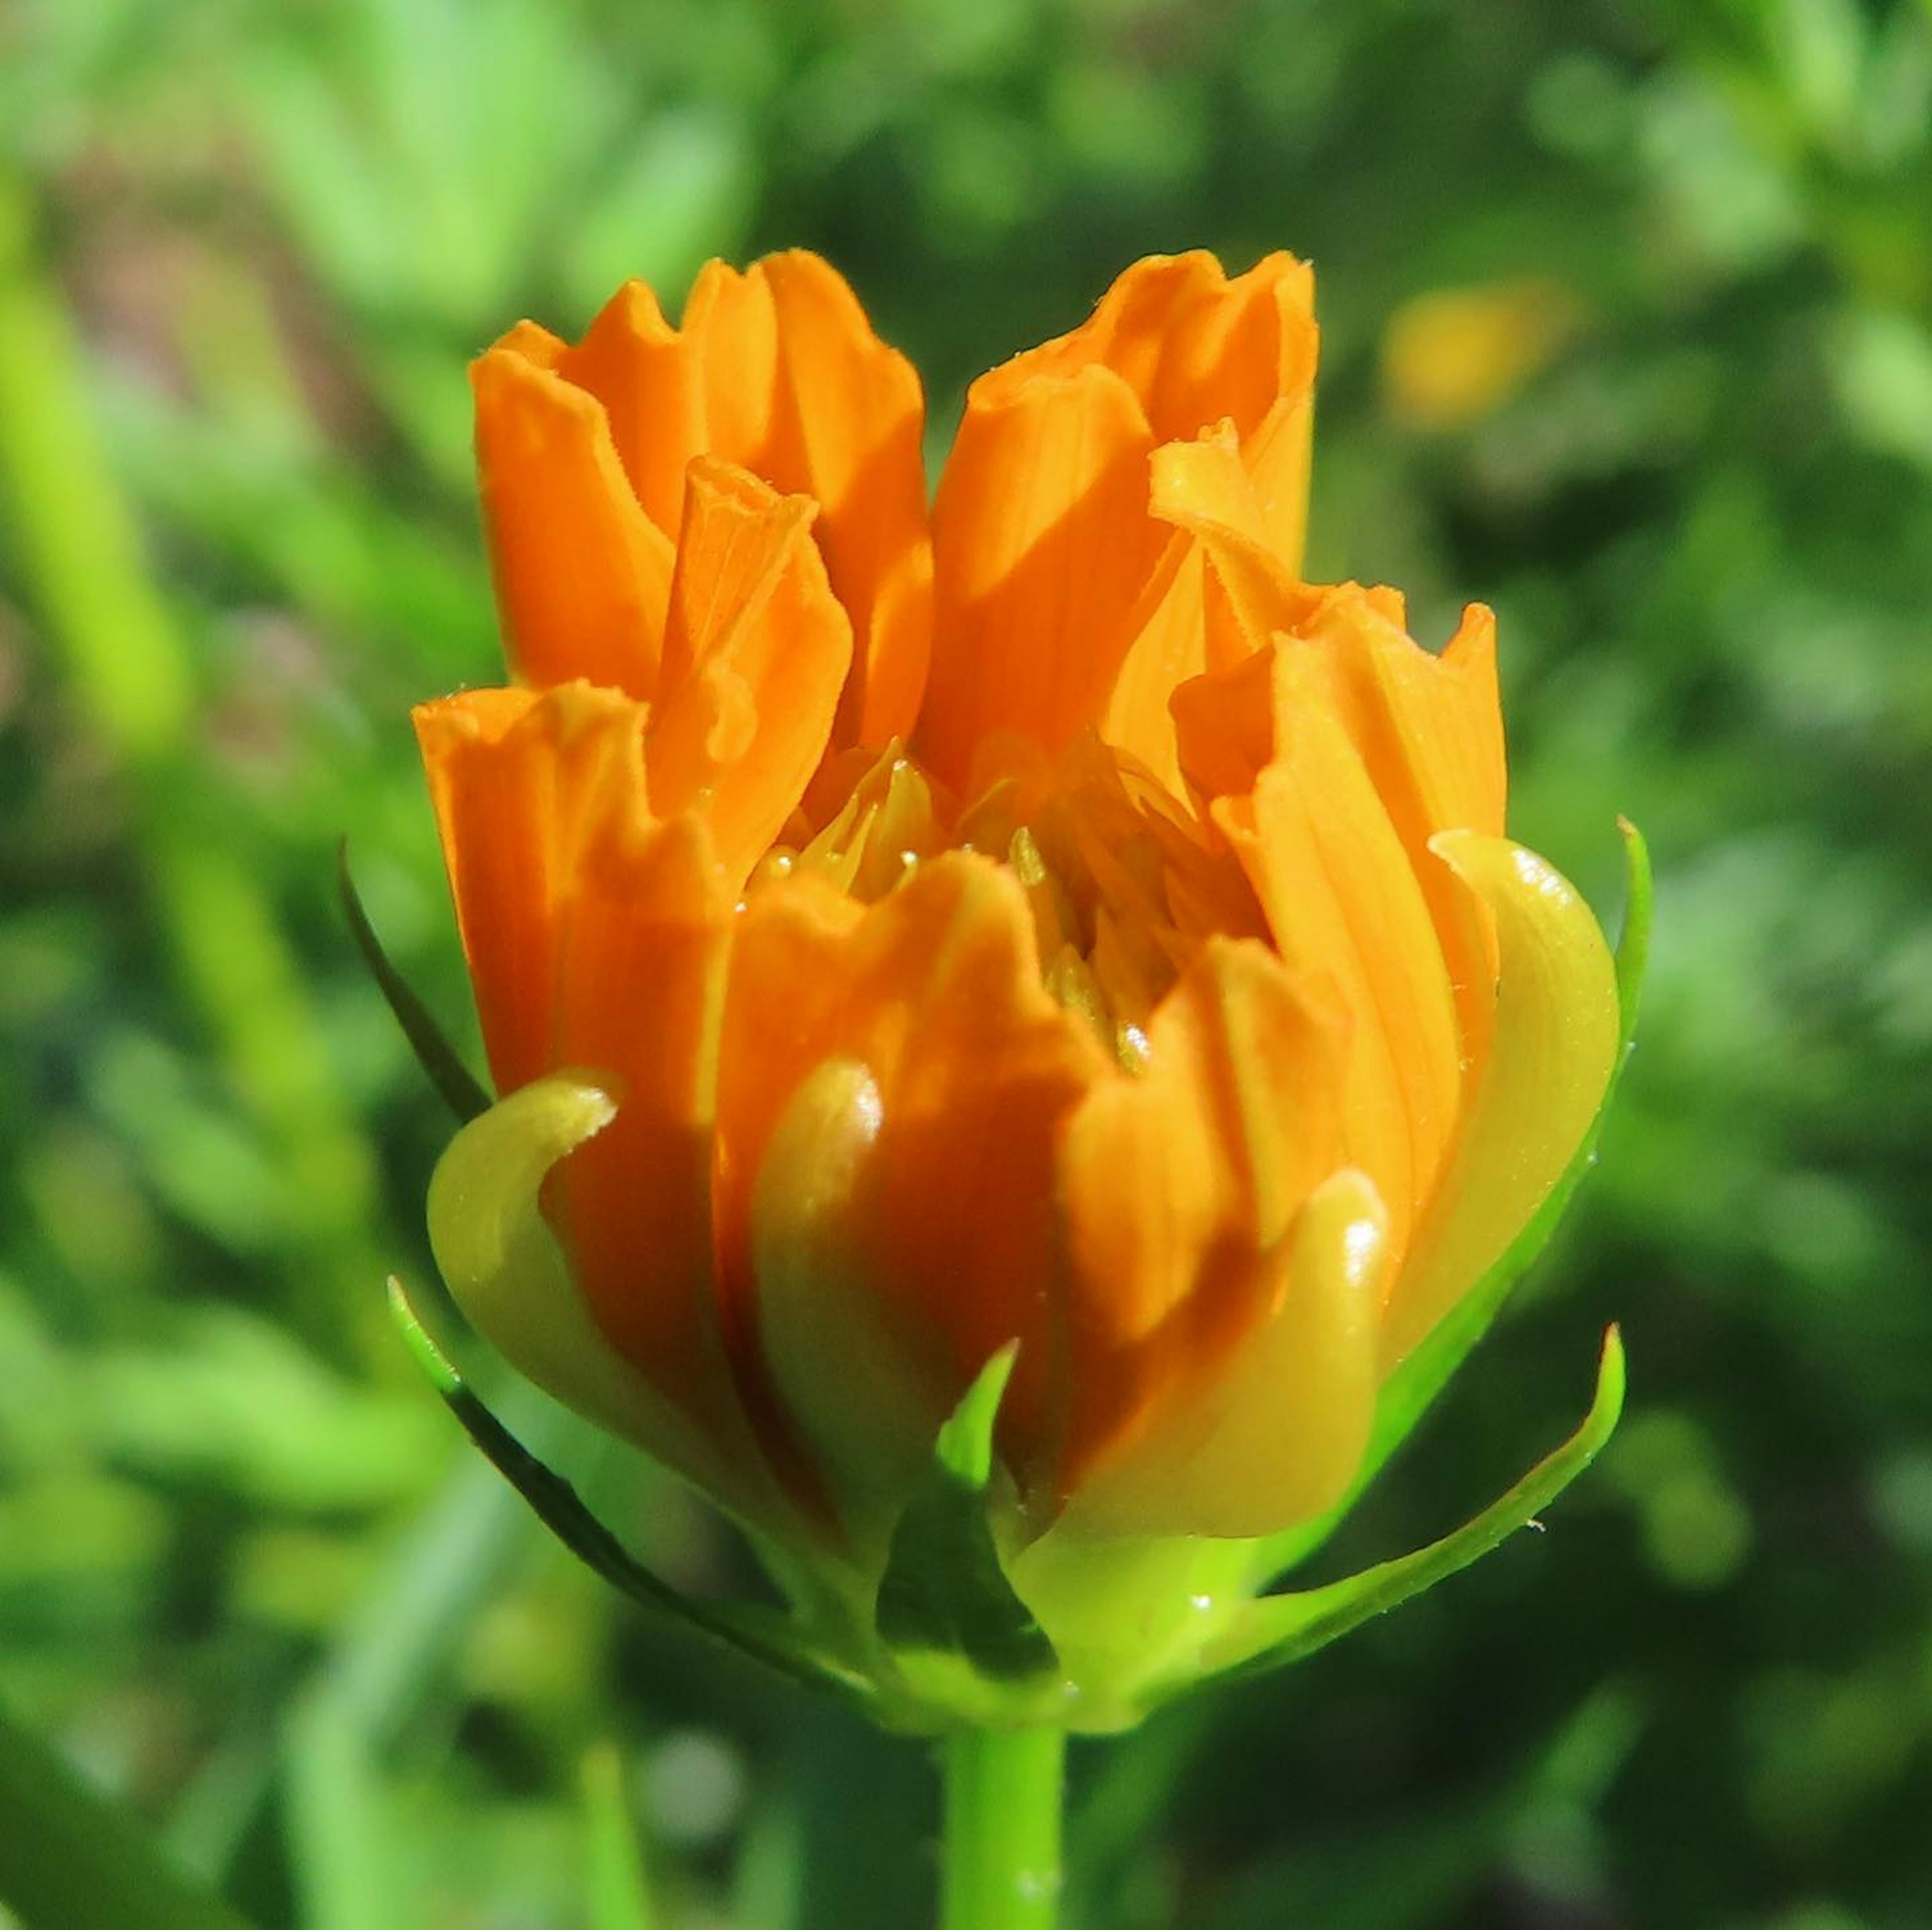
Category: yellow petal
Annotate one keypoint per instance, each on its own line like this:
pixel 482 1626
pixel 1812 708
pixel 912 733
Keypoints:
pixel 1548 1062
pixel 1275 1438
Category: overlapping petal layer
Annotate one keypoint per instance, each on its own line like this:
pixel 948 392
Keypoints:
pixel 1150 983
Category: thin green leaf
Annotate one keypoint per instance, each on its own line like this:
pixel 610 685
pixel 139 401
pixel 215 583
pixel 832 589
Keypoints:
pixel 1411 1390
pixel 461 1092
pixel 1281 1628
pixel 945 1591
pixel 69 1856
pixel 764 1637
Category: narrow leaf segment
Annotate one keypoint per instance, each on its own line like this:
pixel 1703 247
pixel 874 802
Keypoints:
pixel 763 1636
pixel 458 1086
pixel 945 1590
pixel 1411 1390
pixel 1281 1628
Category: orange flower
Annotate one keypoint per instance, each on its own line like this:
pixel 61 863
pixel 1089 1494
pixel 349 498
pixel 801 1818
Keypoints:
pixel 1049 921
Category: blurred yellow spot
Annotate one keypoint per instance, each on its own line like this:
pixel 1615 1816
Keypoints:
pixel 1453 355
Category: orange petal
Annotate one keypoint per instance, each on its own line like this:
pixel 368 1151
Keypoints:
pixel 1556 1032
pixel 1429 731
pixel 1224 727
pixel 778 371
pixel 1201 487
pixel 1195 345
pixel 571 902
pixel 1429 728
pixel 519 780
pixel 1222 595
pixel 640 977
pixel 1342 897
pixel 582 575
pixel 1191 347
pixel 1042 545
pixel 1181 1182
pixel 935 992
pixel 756 650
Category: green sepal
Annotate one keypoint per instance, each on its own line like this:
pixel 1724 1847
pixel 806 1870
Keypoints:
pixel 1411 1390
pixel 1280 1628
pixel 944 1591
pixel 461 1091
pixel 763 1636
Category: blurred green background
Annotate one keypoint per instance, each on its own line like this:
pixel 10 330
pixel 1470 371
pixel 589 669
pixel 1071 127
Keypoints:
pixel 1627 314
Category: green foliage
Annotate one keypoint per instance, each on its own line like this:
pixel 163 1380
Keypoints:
pixel 244 251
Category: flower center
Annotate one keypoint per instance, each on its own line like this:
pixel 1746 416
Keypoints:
pixel 1125 881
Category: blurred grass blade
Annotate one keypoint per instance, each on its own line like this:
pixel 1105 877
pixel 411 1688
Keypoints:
pixel 74 547
pixel 619 1896
pixel 71 1860
pixel 1411 1390
pixel 1281 1629
pixel 461 1091
pixel 763 1637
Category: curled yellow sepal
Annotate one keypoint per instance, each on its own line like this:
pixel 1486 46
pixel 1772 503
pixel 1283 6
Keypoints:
pixel 503 1266
pixel 1555 1047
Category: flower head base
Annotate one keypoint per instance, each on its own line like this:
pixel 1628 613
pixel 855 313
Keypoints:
pixel 1045 931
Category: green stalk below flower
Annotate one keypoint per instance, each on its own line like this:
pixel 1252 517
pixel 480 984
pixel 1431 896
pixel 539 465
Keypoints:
pixel 1001 1851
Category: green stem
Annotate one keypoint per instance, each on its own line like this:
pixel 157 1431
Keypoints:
pixel 1002 1829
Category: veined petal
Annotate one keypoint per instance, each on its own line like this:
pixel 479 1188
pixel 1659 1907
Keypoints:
pixel 1042 543
pixel 1429 731
pixel 1187 347
pixel 582 575
pixel 756 650
pixel 523 782
pixel 1341 898
pixel 777 371
pixel 1548 1063
pixel 1274 1437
